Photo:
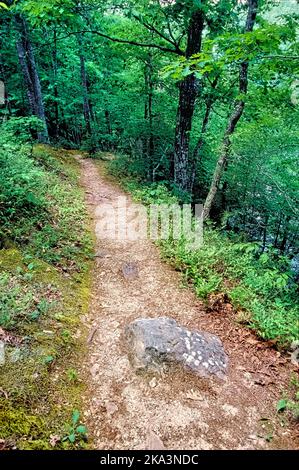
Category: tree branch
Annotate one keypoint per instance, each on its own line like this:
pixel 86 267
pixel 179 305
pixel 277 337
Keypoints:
pixel 122 41
pixel 152 28
pixel 288 57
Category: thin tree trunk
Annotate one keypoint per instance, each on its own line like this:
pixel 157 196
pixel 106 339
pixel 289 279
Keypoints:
pixel 277 231
pixel 205 121
pixel 27 78
pixel 265 233
pixel 234 118
pixel 108 127
pixel 148 112
pixel 199 146
pixel 30 75
pixel 108 122
pixel 285 237
pixel 204 126
pixel 86 105
pixel 224 192
pixel 188 92
pixel 55 74
pixel 200 142
pixel 6 97
pixel 7 102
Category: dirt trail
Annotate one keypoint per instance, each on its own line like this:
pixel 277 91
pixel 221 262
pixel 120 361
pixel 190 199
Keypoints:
pixel 126 411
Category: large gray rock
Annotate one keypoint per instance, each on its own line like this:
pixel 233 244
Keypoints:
pixel 295 353
pixel 156 342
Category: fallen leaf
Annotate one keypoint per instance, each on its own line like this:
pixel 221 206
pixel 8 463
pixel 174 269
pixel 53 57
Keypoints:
pixel 252 341
pixel 192 395
pixel 267 344
pixel 54 439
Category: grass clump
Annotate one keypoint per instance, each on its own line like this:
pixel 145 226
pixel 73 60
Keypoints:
pixel 290 402
pixel 252 282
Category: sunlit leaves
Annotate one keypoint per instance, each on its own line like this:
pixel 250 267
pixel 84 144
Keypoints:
pixel 42 12
pixel 272 43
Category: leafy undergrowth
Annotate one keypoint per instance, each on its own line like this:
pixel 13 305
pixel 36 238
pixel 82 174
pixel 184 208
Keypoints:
pixel 45 260
pixel 290 401
pixel 259 286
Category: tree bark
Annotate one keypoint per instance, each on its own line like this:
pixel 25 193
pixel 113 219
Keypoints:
pixel 7 104
pixel 285 236
pixel 234 118
pixel 265 233
pixel 209 103
pixel 188 92
pixel 148 112
pixel 204 127
pixel 86 104
pixel 108 121
pixel 108 128
pixel 277 231
pixel 200 142
pixel 30 75
pixel 55 74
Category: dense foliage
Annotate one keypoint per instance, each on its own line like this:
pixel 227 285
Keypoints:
pixel 196 97
pixel 45 248
pixel 260 288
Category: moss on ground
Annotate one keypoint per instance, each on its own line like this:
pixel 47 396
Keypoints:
pixel 44 338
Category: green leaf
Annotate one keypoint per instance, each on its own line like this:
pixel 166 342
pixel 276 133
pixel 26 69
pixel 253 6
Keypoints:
pixel 186 71
pixel 48 359
pixel 264 258
pixel 72 438
pixel 81 429
pixel 2 5
pixel 75 417
pixel 281 405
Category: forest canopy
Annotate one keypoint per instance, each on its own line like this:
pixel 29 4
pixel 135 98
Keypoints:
pixel 200 94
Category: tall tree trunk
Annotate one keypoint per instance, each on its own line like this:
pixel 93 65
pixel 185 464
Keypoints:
pixel 86 104
pixel 277 231
pixel 3 89
pixel 200 142
pixel 204 126
pixel 265 233
pixel 30 75
pixel 7 103
pixel 148 112
pixel 234 118
pixel 285 236
pixel 108 127
pixel 196 152
pixel 188 91
pixel 55 74
pixel 108 121
pixel 209 103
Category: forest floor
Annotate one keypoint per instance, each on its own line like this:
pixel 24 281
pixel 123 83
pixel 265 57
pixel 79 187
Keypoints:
pixel 173 411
